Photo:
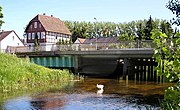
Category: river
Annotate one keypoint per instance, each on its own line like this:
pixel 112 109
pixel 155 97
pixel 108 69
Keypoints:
pixel 84 95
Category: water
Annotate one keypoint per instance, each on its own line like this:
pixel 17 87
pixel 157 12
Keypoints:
pixel 83 95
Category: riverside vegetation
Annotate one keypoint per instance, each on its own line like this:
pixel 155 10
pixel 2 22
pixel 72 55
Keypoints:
pixel 20 74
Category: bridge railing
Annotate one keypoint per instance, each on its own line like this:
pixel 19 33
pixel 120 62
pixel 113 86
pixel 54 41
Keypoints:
pixel 87 46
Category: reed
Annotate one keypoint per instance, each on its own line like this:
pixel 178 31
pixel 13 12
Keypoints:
pixel 17 73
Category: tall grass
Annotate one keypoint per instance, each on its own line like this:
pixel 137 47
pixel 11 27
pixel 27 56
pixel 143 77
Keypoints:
pixel 16 73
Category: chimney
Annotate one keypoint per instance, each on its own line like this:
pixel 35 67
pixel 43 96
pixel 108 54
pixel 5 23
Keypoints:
pixel 44 13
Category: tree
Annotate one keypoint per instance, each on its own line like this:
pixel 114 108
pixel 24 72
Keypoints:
pixel 1 16
pixel 148 29
pixel 140 33
pixel 166 28
pixel 167 55
pixel 174 6
pixel 134 30
pixel 36 42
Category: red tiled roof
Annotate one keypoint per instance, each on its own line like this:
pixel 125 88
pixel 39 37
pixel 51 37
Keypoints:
pixel 3 34
pixel 51 24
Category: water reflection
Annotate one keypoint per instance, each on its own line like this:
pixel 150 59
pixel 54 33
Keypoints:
pixel 84 95
pixel 49 103
pixel 100 92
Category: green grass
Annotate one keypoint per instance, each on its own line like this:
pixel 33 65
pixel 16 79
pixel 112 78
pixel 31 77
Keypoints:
pixel 17 73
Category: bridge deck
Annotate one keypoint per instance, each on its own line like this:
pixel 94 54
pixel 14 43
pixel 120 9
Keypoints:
pixel 123 53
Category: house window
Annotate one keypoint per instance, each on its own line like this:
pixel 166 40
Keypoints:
pixel 39 25
pixel 13 38
pixel 31 26
pixel 29 36
pixel 35 24
pixel 33 36
pixel 53 34
pixel 50 33
pixel 38 33
pixel 42 35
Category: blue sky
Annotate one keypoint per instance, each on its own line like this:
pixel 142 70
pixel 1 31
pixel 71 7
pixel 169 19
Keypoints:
pixel 17 13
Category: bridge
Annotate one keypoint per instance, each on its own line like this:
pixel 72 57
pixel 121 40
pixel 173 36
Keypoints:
pixel 133 60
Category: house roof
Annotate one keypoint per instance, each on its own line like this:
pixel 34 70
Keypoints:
pixel 81 40
pixel 51 24
pixel 3 34
pixel 89 40
pixel 101 40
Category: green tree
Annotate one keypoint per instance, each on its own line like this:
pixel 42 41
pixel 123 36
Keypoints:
pixel 167 55
pixel 1 16
pixel 166 28
pixel 36 42
pixel 127 31
pixel 140 29
pixel 174 6
pixel 148 29
pixel 140 33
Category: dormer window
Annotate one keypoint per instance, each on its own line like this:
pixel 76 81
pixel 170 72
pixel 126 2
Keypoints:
pixel 35 24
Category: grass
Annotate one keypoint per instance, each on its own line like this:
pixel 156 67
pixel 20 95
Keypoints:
pixel 17 73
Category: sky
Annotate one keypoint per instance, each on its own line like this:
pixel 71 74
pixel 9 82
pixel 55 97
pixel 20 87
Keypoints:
pixel 18 13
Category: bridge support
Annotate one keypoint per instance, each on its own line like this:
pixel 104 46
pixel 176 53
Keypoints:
pixel 78 62
pixel 141 69
pixel 128 68
pixel 125 69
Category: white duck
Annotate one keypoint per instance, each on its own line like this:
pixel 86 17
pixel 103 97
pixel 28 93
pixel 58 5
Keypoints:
pixel 100 91
pixel 100 86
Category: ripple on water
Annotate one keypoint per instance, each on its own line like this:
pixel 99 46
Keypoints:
pixel 117 95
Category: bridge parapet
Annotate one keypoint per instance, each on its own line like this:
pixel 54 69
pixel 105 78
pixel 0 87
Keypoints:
pixel 147 44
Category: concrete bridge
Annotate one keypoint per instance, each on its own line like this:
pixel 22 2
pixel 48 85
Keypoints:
pixel 136 63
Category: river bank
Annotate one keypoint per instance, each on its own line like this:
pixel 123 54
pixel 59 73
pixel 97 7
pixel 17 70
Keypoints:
pixel 16 73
